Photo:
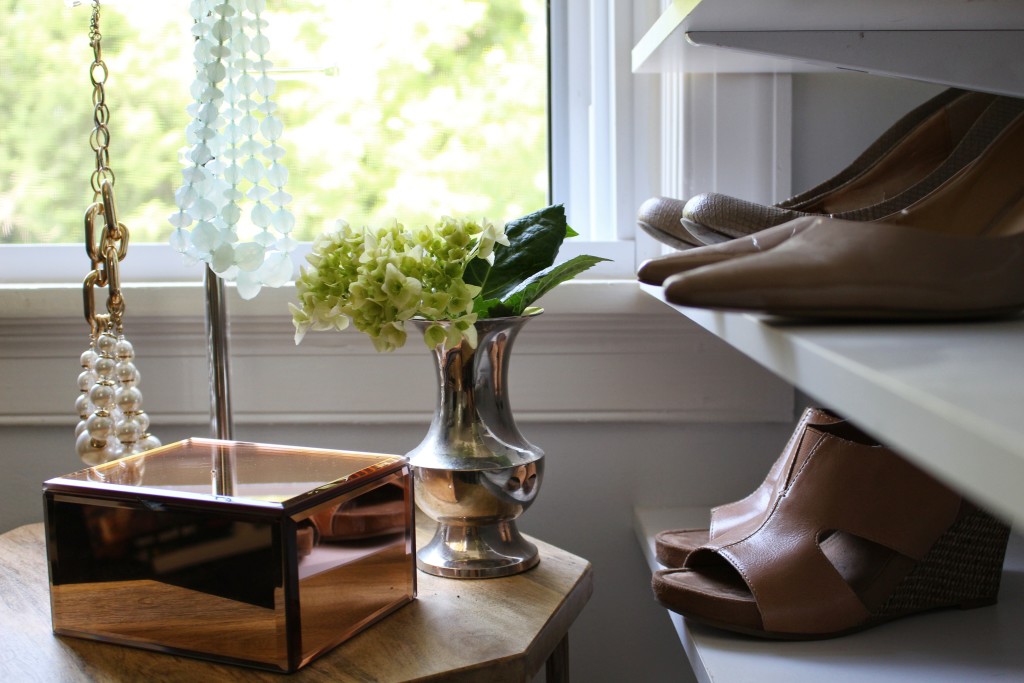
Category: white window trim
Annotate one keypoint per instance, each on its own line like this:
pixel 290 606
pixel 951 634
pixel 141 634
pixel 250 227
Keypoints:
pixel 604 122
pixel 601 170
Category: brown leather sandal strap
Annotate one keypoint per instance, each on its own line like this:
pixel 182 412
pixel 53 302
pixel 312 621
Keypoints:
pixel 803 445
pixel 751 511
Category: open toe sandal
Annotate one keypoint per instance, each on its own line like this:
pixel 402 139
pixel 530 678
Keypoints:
pixel 673 546
pixel 857 537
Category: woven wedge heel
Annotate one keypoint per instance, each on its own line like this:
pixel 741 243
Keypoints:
pixel 963 569
pixel 856 537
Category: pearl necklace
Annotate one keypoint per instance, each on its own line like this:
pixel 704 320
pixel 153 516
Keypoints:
pixel 112 422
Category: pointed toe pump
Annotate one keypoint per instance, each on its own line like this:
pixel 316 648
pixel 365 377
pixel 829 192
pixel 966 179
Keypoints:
pixel 857 537
pixel 943 144
pixel 661 218
pixel 907 150
pixel 958 253
pixel 869 272
pixel 657 270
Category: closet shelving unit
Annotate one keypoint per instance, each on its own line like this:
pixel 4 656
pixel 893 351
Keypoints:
pixel 973 44
pixel 949 397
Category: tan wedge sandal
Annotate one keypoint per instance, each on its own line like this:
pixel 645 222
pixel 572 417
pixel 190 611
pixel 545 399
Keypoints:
pixel 673 546
pixel 857 537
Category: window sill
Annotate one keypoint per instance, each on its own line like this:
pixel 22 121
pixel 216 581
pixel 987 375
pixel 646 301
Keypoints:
pixel 604 351
pixel 618 296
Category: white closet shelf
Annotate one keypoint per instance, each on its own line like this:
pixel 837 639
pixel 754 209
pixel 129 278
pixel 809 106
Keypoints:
pixel 665 48
pixel 951 645
pixel 946 396
pixel 955 42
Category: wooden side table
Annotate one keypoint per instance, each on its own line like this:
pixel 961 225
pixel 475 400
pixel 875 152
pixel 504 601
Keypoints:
pixel 489 630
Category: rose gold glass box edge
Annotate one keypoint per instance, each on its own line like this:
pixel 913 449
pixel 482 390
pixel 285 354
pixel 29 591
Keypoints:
pixel 254 554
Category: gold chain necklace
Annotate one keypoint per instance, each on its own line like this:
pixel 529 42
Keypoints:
pixel 112 422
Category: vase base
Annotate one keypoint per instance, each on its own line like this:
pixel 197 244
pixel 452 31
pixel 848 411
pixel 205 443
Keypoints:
pixel 477 552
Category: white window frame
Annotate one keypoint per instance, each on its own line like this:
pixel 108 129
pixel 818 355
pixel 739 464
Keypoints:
pixel 604 127
pixel 603 165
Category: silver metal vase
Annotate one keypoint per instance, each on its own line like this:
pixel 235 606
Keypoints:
pixel 474 472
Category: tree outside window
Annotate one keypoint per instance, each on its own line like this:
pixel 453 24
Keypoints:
pixel 391 109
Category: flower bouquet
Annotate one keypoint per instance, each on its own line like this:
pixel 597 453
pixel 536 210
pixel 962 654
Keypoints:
pixel 456 271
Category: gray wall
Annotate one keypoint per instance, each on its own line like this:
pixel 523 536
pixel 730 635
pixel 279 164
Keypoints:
pixel 836 116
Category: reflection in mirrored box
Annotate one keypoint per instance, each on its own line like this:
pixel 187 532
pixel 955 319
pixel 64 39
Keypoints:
pixel 266 556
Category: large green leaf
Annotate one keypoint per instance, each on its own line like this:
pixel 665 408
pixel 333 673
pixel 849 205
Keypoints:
pixel 534 241
pixel 521 297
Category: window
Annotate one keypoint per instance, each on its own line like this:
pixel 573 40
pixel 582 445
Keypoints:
pixel 390 109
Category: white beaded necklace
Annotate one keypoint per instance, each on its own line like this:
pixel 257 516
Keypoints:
pixel 227 161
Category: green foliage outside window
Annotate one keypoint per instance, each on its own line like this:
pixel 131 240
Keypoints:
pixel 391 109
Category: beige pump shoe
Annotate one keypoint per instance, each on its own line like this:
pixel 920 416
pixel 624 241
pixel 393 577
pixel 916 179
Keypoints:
pixel 904 153
pixel 948 141
pixel 956 254
pixel 994 172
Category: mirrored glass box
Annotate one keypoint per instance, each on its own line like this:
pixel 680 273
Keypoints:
pixel 266 556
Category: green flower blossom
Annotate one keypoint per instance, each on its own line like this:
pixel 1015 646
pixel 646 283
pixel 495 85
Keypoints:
pixel 452 272
pixel 378 278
